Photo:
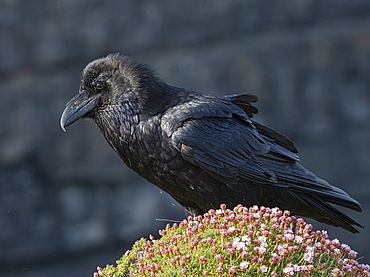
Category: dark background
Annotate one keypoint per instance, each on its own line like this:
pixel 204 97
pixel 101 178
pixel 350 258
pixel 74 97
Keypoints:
pixel 69 204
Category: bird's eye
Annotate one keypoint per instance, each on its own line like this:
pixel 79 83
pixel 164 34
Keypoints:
pixel 100 85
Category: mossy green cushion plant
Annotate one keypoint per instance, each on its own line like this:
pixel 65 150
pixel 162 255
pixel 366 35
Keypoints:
pixel 258 241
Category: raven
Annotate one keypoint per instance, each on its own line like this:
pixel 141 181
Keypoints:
pixel 203 150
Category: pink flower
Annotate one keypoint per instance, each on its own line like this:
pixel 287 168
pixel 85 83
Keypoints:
pixel 337 272
pixel 336 252
pixel 256 215
pixel 335 242
pixel 298 240
pixel 219 212
pixel 244 265
pixel 232 270
pixel 219 257
pixel 219 270
pixel 230 251
pixel 244 254
pixel 288 271
pixel 261 250
pixel 345 248
pixel 238 245
pixel 262 241
pixel 263 268
pixel 308 255
pixel 352 254
pixel 231 230
pixel 274 257
pixel 310 267
pixel 296 268
pixel 246 240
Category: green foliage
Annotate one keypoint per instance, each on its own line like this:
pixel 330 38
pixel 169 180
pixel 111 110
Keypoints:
pixel 258 241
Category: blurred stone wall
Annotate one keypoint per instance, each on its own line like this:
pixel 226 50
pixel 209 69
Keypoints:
pixel 67 202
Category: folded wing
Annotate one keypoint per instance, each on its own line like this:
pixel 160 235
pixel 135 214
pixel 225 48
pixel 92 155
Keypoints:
pixel 218 135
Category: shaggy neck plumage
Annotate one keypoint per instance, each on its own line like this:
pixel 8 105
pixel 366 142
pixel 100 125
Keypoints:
pixel 118 122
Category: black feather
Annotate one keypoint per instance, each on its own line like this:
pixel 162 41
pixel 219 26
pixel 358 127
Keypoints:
pixel 201 149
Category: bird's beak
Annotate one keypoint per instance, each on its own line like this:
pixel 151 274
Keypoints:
pixel 77 107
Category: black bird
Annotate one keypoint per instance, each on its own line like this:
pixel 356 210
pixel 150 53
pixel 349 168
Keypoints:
pixel 201 149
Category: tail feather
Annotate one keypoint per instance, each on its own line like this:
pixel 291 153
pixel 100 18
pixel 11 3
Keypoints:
pixel 326 213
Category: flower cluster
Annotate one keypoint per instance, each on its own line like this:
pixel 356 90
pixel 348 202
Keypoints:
pixel 258 241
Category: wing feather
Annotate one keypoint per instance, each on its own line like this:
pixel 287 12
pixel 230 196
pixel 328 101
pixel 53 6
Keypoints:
pixel 219 137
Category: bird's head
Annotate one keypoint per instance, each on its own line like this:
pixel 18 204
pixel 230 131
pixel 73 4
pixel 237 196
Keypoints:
pixel 116 83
